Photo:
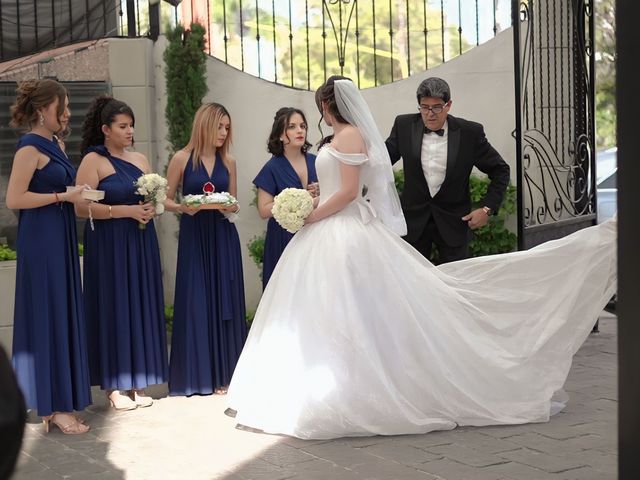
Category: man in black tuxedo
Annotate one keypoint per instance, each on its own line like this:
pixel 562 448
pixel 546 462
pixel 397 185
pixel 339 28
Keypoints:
pixel 439 151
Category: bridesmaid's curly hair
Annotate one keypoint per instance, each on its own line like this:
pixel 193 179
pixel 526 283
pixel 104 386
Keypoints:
pixel 102 111
pixel 325 94
pixel 280 123
pixel 33 95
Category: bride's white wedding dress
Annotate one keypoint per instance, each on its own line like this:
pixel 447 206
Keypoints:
pixel 358 334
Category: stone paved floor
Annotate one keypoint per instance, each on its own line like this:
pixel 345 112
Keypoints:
pixel 190 438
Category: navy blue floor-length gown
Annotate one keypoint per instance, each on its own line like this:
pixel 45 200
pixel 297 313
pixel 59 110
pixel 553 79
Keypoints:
pixel 49 338
pixel 209 325
pixel 123 293
pixel 276 175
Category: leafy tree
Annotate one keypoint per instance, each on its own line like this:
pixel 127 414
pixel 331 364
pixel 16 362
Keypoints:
pixel 605 73
pixel 185 74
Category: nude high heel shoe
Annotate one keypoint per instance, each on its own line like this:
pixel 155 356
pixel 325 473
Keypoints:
pixel 140 398
pixel 73 427
pixel 120 402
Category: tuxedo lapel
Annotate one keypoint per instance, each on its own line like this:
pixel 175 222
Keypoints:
pixel 453 146
pixel 417 132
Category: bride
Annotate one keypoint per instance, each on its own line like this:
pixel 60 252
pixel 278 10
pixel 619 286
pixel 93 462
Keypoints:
pixel 358 334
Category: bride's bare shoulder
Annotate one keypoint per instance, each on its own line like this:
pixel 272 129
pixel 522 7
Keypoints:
pixel 349 140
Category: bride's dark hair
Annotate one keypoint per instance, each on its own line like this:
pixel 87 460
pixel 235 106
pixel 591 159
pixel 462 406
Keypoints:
pixel 325 94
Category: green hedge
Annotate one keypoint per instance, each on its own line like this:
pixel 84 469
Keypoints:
pixel 492 238
pixel 7 253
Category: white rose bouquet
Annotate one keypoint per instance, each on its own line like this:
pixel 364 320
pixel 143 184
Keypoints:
pixel 154 189
pixel 291 207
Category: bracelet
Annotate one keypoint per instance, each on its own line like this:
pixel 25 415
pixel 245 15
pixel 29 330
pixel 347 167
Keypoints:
pixel 57 198
pixel 487 210
pixel 110 215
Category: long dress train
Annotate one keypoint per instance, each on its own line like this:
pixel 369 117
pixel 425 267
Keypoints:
pixel 367 337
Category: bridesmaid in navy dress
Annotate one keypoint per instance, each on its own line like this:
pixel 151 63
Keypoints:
pixel 290 167
pixel 122 275
pixel 49 344
pixel 209 325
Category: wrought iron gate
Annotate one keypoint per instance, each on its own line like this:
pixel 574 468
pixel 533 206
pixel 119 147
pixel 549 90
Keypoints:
pixel 555 133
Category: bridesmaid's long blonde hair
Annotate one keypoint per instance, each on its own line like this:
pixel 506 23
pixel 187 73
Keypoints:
pixel 204 133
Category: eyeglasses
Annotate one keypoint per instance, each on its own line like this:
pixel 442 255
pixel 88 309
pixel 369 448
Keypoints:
pixel 435 109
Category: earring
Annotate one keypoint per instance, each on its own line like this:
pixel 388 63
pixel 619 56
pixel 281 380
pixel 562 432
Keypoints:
pixel 282 140
pixel 41 120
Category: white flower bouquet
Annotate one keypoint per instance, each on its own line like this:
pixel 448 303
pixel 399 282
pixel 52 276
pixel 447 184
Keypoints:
pixel 154 189
pixel 291 207
pixel 215 199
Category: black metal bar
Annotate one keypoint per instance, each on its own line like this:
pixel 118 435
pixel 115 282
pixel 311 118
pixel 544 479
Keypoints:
pixel 290 43
pixel 339 40
pixel 104 19
pixel 35 23
pixel 552 49
pixel 563 48
pixel 591 98
pixel 154 21
pixel 226 36
pixel 478 24
pixel 131 18
pixel 70 21
pixel 324 40
pixel 628 305
pixel 258 39
pixel 208 27
pixel 375 56
pixel 425 31
pixel 241 36
pixel 306 9
pixel 53 22
pixel 357 44
pixel 1 33
pixel 406 6
pixel 460 27
pixel 548 70
pixel 495 21
pixel 391 35
pixel 86 18
pixel 515 22
pixel 442 27
pixel 137 18
pixel 275 50
pixel 18 31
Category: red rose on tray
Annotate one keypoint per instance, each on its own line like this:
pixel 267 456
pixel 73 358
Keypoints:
pixel 208 188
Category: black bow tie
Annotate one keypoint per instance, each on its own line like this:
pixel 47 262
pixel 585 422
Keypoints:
pixel 439 132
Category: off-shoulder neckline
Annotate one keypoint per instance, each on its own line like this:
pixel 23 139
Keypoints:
pixel 328 145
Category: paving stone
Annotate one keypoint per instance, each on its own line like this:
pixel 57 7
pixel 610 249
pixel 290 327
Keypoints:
pixel 285 455
pixel 451 470
pixel 466 455
pixel 518 471
pixel 401 453
pixel 541 460
pixel 586 473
